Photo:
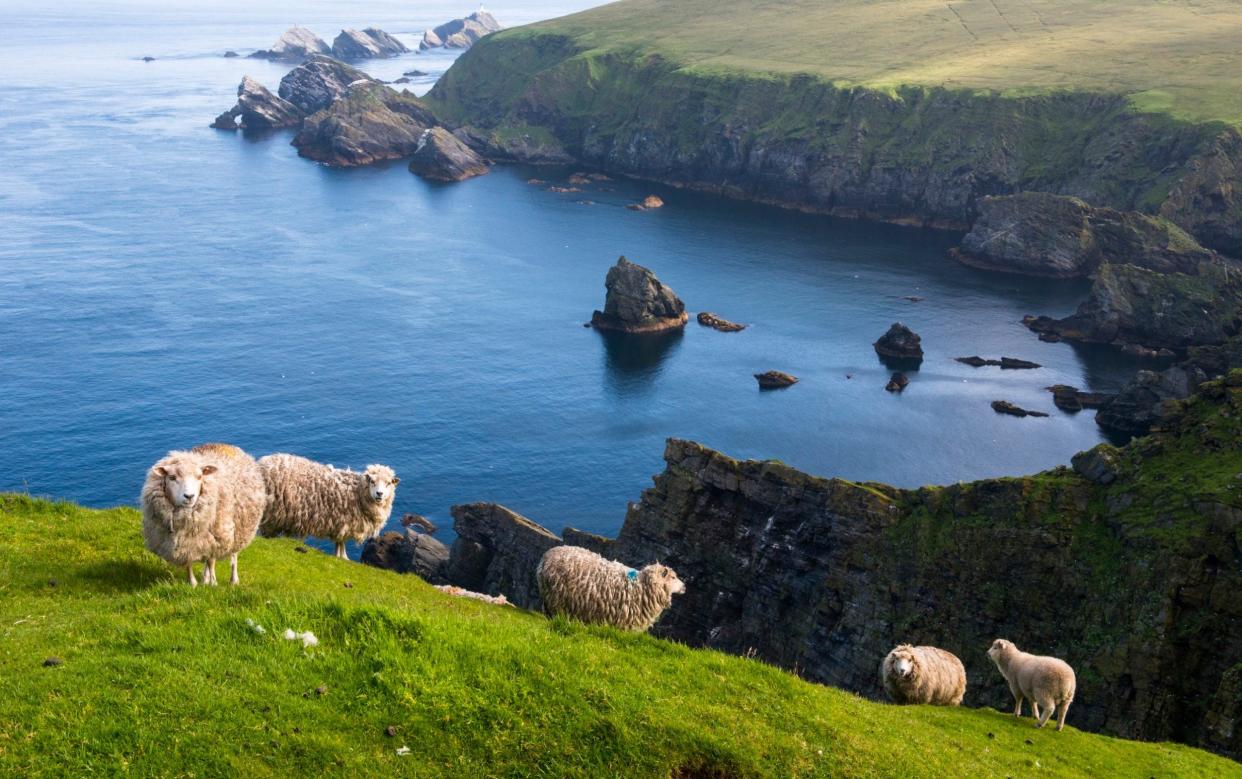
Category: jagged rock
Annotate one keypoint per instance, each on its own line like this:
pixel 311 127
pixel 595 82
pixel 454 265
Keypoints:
pixel 1100 465
pixel 775 380
pixel 296 44
pixel 1041 234
pixel 497 552
pixel 708 319
pixel 460 33
pixel 1005 407
pixel 408 552
pixel 318 82
pixel 1130 305
pixel 637 302
pixel 1143 402
pixel 440 156
pixel 1007 363
pixel 227 120
pixel 1069 398
pixel 900 343
pixel 371 43
pixel 897 383
pixel 259 109
pixel 418 520
pixel 371 123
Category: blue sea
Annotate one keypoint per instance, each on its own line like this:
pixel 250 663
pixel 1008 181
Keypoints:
pixel 164 284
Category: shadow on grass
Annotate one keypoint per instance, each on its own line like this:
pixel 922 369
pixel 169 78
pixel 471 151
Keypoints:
pixel 123 575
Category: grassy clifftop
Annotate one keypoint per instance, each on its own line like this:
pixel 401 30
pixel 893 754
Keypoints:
pixel 159 679
pixel 1176 57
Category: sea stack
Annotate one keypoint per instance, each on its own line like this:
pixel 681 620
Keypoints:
pixel 295 45
pixel 900 343
pixel 637 302
pixel 442 157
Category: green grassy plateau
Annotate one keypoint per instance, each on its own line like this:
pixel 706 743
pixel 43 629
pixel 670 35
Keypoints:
pixel 158 679
pixel 1177 57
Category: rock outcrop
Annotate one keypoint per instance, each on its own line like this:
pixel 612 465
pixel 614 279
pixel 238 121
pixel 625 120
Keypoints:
pixel 1144 402
pixel 408 552
pixel 371 43
pixel 1131 305
pixel 296 44
pixel 1005 407
pixel 318 82
pixel 708 319
pixel 371 123
pixel 460 33
pixel 637 302
pixel 259 109
pixel 900 344
pixel 1041 234
pixel 440 156
pixel 897 383
pixel 497 552
pixel 775 380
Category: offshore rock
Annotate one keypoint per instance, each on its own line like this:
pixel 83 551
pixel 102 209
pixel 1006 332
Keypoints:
pixel 296 44
pixel 460 33
pixel 440 156
pixel 637 302
pixel 1072 399
pixel 371 43
pixel 259 109
pixel 1005 407
pixel 775 380
pixel 708 319
pixel 900 343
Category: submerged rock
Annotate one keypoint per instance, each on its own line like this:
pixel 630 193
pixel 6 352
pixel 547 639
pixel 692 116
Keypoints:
pixel 440 156
pixel 1041 234
pixel 775 380
pixel 897 383
pixel 637 302
pixel 371 43
pixel 318 82
pixel 900 343
pixel 460 33
pixel 294 45
pixel 1005 407
pixel 259 109
pixel 708 319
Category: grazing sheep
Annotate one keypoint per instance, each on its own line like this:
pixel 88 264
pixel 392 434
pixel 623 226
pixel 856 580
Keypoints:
pixel 1047 682
pixel 578 583
pixel 923 674
pixel 202 505
pixel 306 498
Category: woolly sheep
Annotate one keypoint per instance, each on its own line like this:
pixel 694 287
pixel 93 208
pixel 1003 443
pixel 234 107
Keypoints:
pixel 306 498
pixel 923 674
pixel 1046 682
pixel 578 583
pixel 202 505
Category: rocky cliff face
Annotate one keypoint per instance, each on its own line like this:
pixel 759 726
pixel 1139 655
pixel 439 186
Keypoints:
pixel 441 156
pixel 1129 567
pixel 370 123
pixel 371 43
pixel 917 155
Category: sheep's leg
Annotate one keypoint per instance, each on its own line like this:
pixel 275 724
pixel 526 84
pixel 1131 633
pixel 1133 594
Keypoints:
pixel 1048 706
pixel 1017 704
pixel 1035 709
pixel 211 572
pixel 340 550
pixel 190 570
pixel 233 579
pixel 1061 714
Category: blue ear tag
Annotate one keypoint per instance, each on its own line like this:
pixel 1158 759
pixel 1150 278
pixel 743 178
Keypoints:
pixel 632 575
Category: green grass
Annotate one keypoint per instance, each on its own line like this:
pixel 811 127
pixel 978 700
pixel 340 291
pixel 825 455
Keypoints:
pixel 162 680
pixel 1172 57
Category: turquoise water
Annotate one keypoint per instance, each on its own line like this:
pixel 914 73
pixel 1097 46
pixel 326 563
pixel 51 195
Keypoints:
pixel 163 284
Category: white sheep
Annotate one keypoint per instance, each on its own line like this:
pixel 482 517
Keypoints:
pixel 923 674
pixel 1047 682
pixel 306 498
pixel 202 505
pixel 578 583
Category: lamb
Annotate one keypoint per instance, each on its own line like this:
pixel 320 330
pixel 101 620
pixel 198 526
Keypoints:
pixel 1047 682
pixel 306 498
pixel 202 505
pixel 923 674
pixel 578 583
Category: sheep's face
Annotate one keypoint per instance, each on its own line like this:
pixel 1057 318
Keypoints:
pixel 381 483
pixel 666 577
pixel 999 646
pixel 183 482
pixel 903 663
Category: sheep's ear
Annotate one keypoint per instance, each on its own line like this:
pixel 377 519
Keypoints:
pixel 395 481
pixel 160 470
pixel 208 469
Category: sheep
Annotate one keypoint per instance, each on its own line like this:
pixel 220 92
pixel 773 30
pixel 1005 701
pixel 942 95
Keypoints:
pixel 578 583
pixel 923 674
pixel 1047 682
pixel 306 498
pixel 202 505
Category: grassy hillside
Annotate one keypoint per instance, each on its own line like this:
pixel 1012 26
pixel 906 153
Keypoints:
pixel 159 679
pixel 1171 56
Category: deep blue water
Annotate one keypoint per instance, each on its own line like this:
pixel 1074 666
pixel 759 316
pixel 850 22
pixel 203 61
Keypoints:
pixel 163 284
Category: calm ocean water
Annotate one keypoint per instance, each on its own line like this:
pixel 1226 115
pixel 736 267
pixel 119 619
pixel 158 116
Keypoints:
pixel 163 284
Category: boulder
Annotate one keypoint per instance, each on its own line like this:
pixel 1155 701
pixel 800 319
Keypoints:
pixel 440 156
pixel 259 109
pixel 775 380
pixel 371 43
pixel 296 44
pixel 708 319
pixel 1041 234
pixel 897 383
pixel 637 302
pixel 408 552
pixel 900 343
pixel 1005 407
pixel 318 82
pixel 371 123
pixel 460 33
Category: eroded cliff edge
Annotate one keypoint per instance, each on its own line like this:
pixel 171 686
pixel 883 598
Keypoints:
pixel 1129 565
